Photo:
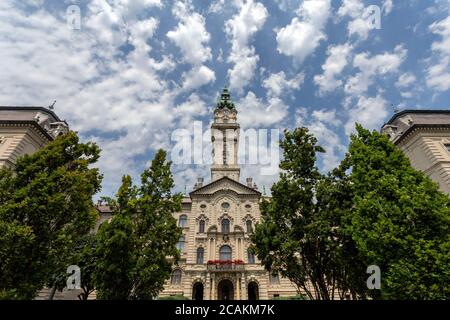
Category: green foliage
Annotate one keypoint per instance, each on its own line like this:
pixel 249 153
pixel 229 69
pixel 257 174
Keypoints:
pixel 175 297
pixel 133 248
pixel 400 221
pixel 375 209
pixel 45 206
pixel 297 297
pixel 298 235
pixel 86 259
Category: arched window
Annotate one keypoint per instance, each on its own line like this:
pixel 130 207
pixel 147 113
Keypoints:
pixel 176 277
pixel 182 222
pixel 225 226
pixel 225 253
pixel 201 226
pixel 249 226
pixel 180 244
pixel 251 257
pixel 200 254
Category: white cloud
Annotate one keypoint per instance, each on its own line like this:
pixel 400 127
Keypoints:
pixel 190 35
pixel 255 113
pixel 303 35
pixel 360 23
pixel 387 7
pixel 277 84
pixel 328 117
pixel 119 99
pixel 372 66
pixel 240 29
pixel 197 77
pixel 438 74
pixel 369 112
pixel 405 80
pixel 338 57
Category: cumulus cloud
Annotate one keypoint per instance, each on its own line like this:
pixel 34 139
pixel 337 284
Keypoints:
pixel 337 60
pixel 303 35
pixel 370 112
pixel 240 29
pixel 438 73
pixel 277 84
pixel 190 35
pixel 372 66
pixel 255 113
pixel 405 80
pixel 360 16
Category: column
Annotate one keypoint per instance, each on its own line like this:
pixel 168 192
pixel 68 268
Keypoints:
pixel 213 286
pixel 238 284
pixel 210 249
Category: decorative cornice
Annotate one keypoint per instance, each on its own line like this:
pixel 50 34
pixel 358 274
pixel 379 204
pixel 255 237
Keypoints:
pixel 409 132
pixel 23 123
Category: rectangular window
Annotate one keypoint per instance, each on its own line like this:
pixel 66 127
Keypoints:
pixel 274 279
pixel 447 146
pixel 251 257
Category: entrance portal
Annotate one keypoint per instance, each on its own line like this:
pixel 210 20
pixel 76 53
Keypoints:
pixel 225 290
pixel 253 292
pixel 197 291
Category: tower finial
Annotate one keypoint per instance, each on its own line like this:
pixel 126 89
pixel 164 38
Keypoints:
pixel 225 100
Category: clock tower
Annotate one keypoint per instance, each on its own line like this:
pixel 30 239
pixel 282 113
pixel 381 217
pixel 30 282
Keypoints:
pixel 225 139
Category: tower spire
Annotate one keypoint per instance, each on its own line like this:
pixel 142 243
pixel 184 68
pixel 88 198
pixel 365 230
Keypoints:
pixel 225 100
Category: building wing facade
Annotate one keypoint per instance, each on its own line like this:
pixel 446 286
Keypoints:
pixel 24 130
pixel 424 136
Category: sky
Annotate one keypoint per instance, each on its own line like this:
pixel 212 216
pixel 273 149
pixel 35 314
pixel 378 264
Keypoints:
pixel 128 73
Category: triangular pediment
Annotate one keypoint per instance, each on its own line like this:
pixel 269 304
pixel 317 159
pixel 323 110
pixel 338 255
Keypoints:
pixel 225 184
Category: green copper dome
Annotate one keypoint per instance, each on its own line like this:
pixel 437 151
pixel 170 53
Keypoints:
pixel 225 100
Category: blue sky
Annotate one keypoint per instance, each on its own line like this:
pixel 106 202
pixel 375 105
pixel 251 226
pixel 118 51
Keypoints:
pixel 135 71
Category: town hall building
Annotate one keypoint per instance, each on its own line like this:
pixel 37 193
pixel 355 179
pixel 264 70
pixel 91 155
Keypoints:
pixel 217 221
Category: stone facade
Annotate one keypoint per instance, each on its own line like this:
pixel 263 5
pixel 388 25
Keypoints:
pixel 23 130
pixel 217 220
pixel 424 136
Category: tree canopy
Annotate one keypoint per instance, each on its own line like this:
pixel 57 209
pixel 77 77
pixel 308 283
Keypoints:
pixel 45 207
pixel 137 248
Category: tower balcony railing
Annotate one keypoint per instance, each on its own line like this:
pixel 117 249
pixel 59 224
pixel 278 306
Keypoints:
pixel 225 265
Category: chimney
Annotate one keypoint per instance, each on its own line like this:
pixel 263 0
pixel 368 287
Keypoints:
pixel 249 182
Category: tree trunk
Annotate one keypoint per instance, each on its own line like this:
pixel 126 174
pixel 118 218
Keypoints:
pixel 52 293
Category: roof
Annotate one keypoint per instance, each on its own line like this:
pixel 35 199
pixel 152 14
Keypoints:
pixel 18 113
pixel 31 116
pixel 222 179
pixel 403 123
pixel 417 112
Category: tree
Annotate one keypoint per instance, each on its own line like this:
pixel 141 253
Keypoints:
pixel 45 206
pixel 399 221
pixel 86 259
pixel 299 234
pixel 134 248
